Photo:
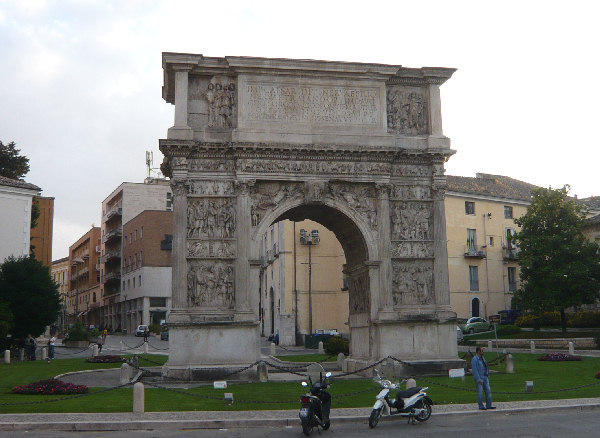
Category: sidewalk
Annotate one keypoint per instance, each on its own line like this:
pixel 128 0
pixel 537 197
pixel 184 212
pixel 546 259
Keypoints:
pixel 241 419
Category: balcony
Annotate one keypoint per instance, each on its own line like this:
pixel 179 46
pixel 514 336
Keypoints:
pixel 111 255
pixel 472 251
pixel 112 234
pixel 510 254
pixel 113 212
pixel 111 276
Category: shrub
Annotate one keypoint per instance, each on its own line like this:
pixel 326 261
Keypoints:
pixel 583 319
pixel 336 345
pixel 559 357
pixel 49 387
pixel 508 329
pixel 545 319
pixel 78 332
pixel 109 358
pixel 154 328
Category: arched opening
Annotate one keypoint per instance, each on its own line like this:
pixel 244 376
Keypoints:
pixel 475 307
pixel 314 269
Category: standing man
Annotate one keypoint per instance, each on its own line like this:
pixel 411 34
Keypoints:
pixel 146 332
pixel 481 374
pixel 51 343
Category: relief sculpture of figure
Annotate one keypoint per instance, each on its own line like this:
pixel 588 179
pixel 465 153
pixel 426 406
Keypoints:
pixel 211 218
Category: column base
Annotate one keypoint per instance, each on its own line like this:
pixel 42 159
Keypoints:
pixel 180 133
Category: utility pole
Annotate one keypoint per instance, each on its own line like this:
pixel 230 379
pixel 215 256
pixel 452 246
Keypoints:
pixel 309 240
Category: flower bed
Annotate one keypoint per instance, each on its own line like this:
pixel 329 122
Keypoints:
pixel 557 357
pixel 49 387
pixel 598 375
pixel 106 359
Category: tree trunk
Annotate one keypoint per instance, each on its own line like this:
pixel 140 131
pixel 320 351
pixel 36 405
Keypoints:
pixel 563 320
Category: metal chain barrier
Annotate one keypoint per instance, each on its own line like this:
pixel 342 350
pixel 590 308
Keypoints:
pixel 56 352
pixel 156 348
pixel 132 348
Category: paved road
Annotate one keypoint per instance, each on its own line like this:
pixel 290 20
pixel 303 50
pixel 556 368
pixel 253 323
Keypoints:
pixel 534 424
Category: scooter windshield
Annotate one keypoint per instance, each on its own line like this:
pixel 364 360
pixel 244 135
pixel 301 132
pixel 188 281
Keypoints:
pixel 315 372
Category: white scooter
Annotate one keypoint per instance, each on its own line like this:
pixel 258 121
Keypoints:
pixel 414 402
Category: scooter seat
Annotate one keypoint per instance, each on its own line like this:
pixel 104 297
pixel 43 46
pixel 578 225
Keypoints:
pixel 408 393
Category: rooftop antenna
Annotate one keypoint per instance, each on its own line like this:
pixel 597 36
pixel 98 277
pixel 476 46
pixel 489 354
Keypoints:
pixel 149 163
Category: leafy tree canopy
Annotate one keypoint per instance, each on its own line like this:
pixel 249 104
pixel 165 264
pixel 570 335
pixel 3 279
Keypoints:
pixel 12 164
pixel 31 295
pixel 560 268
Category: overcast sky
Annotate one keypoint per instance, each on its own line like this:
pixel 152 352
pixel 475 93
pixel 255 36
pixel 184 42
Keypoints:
pixel 80 81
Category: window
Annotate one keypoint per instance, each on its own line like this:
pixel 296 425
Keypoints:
pixel 141 231
pixel 512 279
pixel 140 281
pixel 491 241
pixel 510 243
pixel 158 302
pixel 469 207
pixel 134 282
pixel 128 284
pixel 471 240
pixel 169 195
pixel 123 284
pixel 473 279
pixel 508 212
pixel 475 307
pixel 135 236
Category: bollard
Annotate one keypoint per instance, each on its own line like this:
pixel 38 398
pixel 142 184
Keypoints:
pixel 340 360
pixel 138 398
pixel 44 353
pixel 490 346
pixel 571 348
pixel 321 349
pixel 510 364
pixel 272 349
pixel 121 342
pixel 95 350
pixel 263 372
pixel 7 356
pixel 411 383
pixel 532 347
pixel 146 347
pixel 389 368
pixel 125 376
pixel 21 354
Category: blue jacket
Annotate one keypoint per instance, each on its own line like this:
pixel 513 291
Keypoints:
pixel 480 368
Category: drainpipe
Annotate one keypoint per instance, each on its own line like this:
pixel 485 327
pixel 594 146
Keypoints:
pixel 487 276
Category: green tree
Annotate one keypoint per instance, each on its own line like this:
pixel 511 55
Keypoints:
pixel 12 165
pixel 559 267
pixel 30 294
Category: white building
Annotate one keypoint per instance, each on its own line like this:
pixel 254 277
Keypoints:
pixel 15 216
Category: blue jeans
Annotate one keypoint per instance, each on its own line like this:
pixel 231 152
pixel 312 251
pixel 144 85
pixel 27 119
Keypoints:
pixel 484 387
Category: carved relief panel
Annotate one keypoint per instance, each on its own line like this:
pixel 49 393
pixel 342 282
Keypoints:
pixel 412 282
pixel 358 292
pixel 210 283
pixel 407 112
pixel 411 220
pixel 223 249
pixel 211 188
pixel 410 192
pixel 359 197
pixel 266 196
pixel 211 217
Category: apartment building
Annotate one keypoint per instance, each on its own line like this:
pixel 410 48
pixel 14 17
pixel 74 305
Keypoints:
pixel 41 234
pixel 84 298
pixel 302 281
pixel 146 269
pixel 15 216
pixel 59 271
pixel 125 203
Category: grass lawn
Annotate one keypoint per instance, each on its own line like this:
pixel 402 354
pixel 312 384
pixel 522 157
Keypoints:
pixel 285 395
pixel 308 358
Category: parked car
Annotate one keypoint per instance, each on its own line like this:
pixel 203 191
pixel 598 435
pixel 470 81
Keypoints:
pixel 139 331
pixel 459 335
pixel 164 333
pixel 476 324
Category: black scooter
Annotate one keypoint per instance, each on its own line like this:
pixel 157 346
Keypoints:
pixel 316 404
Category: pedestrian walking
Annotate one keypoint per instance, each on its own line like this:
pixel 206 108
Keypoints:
pixel 31 345
pixel 481 374
pixel 99 343
pixel 146 332
pixel 104 333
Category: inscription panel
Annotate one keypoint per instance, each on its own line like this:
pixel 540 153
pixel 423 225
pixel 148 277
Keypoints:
pixel 323 105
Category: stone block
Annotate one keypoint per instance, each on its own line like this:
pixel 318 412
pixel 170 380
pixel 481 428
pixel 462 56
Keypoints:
pixel 321 349
pixel 509 364
pixel 138 398
pixel 7 356
pixel 263 372
pixel 125 376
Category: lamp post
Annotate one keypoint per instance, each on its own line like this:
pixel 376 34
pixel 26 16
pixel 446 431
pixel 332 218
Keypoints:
pixel 309 239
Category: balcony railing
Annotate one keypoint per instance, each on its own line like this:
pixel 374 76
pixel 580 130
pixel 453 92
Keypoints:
pixel 111 255
pixel 475 251
pixel 511 253
pixel 115 211
pixel 113 234
pixel 111 276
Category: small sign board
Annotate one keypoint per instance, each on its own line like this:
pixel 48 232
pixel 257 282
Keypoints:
pixel 219 384
pixel 456 372
pixel 494 319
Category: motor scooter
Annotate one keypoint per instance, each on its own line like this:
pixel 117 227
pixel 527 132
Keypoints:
pixel 413 402
pixel 316 404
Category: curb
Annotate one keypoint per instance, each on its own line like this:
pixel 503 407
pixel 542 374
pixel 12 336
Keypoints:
pixel 162 424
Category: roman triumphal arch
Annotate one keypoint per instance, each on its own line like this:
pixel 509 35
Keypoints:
pixel 356 147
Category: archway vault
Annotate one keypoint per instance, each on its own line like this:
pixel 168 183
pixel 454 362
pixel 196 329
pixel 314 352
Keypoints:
pixel 356 147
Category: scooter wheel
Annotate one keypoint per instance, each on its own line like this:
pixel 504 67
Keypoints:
pixel 326 425
pixel 425 413
pixel 306 428
pixel 374 417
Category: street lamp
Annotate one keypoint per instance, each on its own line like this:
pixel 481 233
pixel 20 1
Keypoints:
pixel 309 239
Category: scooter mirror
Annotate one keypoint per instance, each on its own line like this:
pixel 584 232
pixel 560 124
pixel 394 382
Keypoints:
pixel 304 384
pixel 328 375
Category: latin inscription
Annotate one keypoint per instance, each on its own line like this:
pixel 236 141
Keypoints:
pixel 315 104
